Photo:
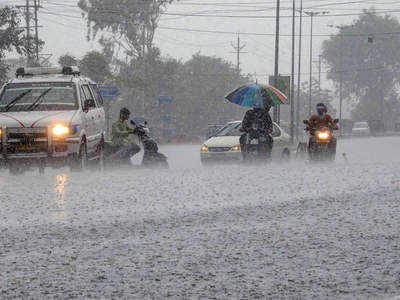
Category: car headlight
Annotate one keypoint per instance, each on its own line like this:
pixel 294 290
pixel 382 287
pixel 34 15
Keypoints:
pixel 236 148
pixel 204 148
pixel 60 130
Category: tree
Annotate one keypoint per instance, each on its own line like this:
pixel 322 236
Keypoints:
pixel 96 66
pixel 365 54
pixel 68 60
pixel 10 37
pixel 134 22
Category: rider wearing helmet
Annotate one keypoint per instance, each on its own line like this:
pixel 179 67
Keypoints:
pixel 321 119
pixel 258 119
pixel 121 137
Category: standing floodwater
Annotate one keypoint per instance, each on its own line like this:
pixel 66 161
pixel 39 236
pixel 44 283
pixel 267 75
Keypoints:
pixel 231 231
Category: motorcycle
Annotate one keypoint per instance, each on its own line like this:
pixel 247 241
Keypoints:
pixel 257 145
pixel 322 146
pixel 151 156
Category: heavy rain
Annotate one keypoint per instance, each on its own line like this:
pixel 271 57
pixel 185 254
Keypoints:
pixel 199 149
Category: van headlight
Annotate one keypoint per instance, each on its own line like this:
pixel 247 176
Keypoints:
pixel 204 148
pixel 60 130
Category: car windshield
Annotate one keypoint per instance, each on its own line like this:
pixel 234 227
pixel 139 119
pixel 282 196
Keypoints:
pixel 230 130
pixel 38 96
pixel 361 125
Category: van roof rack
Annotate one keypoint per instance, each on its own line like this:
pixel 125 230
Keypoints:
pixel 29 72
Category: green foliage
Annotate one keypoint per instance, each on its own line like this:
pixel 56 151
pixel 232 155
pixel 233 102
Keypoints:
pixel 366 54
pixel 10 36
pixel 68 60
pixel 133 21
pixel 198 87
pixel 96 66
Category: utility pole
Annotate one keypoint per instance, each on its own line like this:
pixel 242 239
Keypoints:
pixel 299 73
pixel 28 32
pixel 238 47
pixel 319 72
pixel 312 14
pixel 36 7
pixel 292 79
pixel 32 52
pixel 276 72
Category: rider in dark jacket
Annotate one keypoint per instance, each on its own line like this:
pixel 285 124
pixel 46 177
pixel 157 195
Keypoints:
pixel 256 122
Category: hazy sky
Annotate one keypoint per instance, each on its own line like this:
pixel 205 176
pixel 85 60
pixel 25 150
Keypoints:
pixel 64 31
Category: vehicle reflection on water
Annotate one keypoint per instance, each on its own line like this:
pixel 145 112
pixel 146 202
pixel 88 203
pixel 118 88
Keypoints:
pixel 61 182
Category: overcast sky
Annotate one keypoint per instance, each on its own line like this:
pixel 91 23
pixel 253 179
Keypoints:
pixel 64 31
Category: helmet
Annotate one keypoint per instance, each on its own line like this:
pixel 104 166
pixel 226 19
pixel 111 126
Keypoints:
pixel 321 108
pixel 125 111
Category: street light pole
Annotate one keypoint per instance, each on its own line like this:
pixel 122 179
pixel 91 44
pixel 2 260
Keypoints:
pixel 311 56
pixel 312 14
pixel 299 73
pixel 340 78
pixel 292 80
pixel 276 72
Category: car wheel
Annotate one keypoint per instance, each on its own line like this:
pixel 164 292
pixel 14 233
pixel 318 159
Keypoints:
pixel 79 161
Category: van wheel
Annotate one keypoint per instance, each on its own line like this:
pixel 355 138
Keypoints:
pixel 79 161
pixel 100 153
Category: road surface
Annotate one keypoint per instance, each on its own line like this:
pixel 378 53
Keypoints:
pixel 223 232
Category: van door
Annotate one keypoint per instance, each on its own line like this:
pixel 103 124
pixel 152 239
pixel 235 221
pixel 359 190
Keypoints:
pixel 101 116
pixel 92 136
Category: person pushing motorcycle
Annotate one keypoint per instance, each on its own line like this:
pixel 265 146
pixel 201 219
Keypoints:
pixel 319 120
pixel 121 137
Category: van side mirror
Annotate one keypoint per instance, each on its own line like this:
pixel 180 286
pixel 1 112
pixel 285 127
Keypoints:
pixel 336 121
pixel 89 103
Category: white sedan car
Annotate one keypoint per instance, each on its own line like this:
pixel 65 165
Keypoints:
pixel 225 146
pixel 361 129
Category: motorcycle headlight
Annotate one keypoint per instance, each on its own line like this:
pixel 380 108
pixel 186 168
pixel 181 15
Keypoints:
pixel 204 148
pixel 323 135
pixel 236 148
pixel 60 130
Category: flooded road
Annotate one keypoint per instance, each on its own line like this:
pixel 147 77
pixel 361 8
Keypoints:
pixel 232 231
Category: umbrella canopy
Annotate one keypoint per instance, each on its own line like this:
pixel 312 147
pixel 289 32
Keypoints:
pixel 252 96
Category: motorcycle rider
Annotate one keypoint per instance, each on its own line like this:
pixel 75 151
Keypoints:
pixel 257 121
pixel 321 119
pixel 121 137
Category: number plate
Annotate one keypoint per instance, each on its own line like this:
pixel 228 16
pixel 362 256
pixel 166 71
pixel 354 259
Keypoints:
pixel 254 142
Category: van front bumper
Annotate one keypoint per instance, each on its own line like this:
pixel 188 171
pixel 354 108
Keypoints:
pixel 27 144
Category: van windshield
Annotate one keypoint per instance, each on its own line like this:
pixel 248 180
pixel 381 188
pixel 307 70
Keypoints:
pixel 46 96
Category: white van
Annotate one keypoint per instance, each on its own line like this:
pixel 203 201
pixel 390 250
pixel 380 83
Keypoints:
pixel 50 116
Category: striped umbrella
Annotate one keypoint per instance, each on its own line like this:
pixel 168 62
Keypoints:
pixel 252 95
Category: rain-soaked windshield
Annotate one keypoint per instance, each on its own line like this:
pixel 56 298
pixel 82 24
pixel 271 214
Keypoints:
pixel 230 130
pixel 38 97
